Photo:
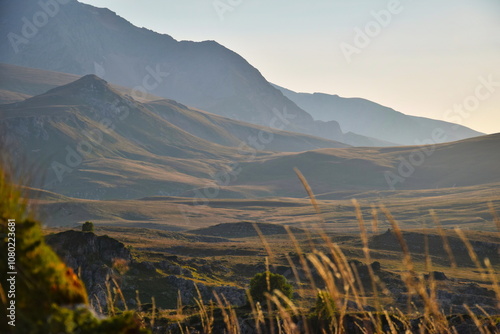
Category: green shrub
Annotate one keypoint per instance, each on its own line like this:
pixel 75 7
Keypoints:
pixel 259 286
pixel 88 227
pixel 325 306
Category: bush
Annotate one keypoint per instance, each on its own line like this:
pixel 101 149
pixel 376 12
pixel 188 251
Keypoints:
pixel 259 286
pixel 88 227
pixel 325 305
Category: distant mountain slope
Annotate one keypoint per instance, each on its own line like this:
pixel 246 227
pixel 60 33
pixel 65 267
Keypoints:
pixel 7 96
pixel 82 39
pixel 30 81
pixel 374 120
pixel 228 132
pixel 468 162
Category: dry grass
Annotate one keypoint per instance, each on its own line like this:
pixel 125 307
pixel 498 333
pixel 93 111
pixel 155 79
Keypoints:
pixel 467 207
pixel 341 284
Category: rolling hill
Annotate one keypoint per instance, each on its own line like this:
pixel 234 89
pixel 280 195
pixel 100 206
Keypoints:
pixel 463 163
pixel 244 230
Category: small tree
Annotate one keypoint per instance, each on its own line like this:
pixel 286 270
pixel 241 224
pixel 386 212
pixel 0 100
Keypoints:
pixel 88 227
pixel 259 285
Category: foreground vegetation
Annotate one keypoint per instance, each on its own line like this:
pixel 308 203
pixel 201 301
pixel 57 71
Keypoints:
pixel 342 283
pixel 49 297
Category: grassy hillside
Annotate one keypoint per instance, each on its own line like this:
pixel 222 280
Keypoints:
pixel 228 132
pixel 458 164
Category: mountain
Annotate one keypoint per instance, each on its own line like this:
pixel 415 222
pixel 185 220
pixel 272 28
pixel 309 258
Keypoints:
pixel 229 132
pixel 370 119
pixel 23 82
pixel 90 141
pixel 20 83
pixel 87 140
pixel 28 82
pixel 81 39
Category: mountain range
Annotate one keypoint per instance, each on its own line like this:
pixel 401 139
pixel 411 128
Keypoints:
pixel 81 39
pixel 90 126
pixel 91 141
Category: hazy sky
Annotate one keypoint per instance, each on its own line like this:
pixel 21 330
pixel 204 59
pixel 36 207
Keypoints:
pixel 425 58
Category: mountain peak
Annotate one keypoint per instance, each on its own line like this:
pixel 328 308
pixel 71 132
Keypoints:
pixel 88 85
pixel 89 89
pixel 91 82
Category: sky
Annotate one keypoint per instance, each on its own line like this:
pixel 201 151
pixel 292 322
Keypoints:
pixel 437 59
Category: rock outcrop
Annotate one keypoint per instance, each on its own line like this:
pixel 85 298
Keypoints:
pixel 92 257
pixel 99 259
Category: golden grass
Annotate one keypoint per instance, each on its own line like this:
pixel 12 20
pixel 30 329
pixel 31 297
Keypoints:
pixel 342 283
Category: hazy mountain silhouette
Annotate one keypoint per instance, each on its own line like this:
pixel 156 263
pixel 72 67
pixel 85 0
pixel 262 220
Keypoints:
pixel 371 119
pixel 82 39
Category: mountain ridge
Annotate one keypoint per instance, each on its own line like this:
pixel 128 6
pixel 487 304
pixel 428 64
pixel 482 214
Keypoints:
pixel 371 119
